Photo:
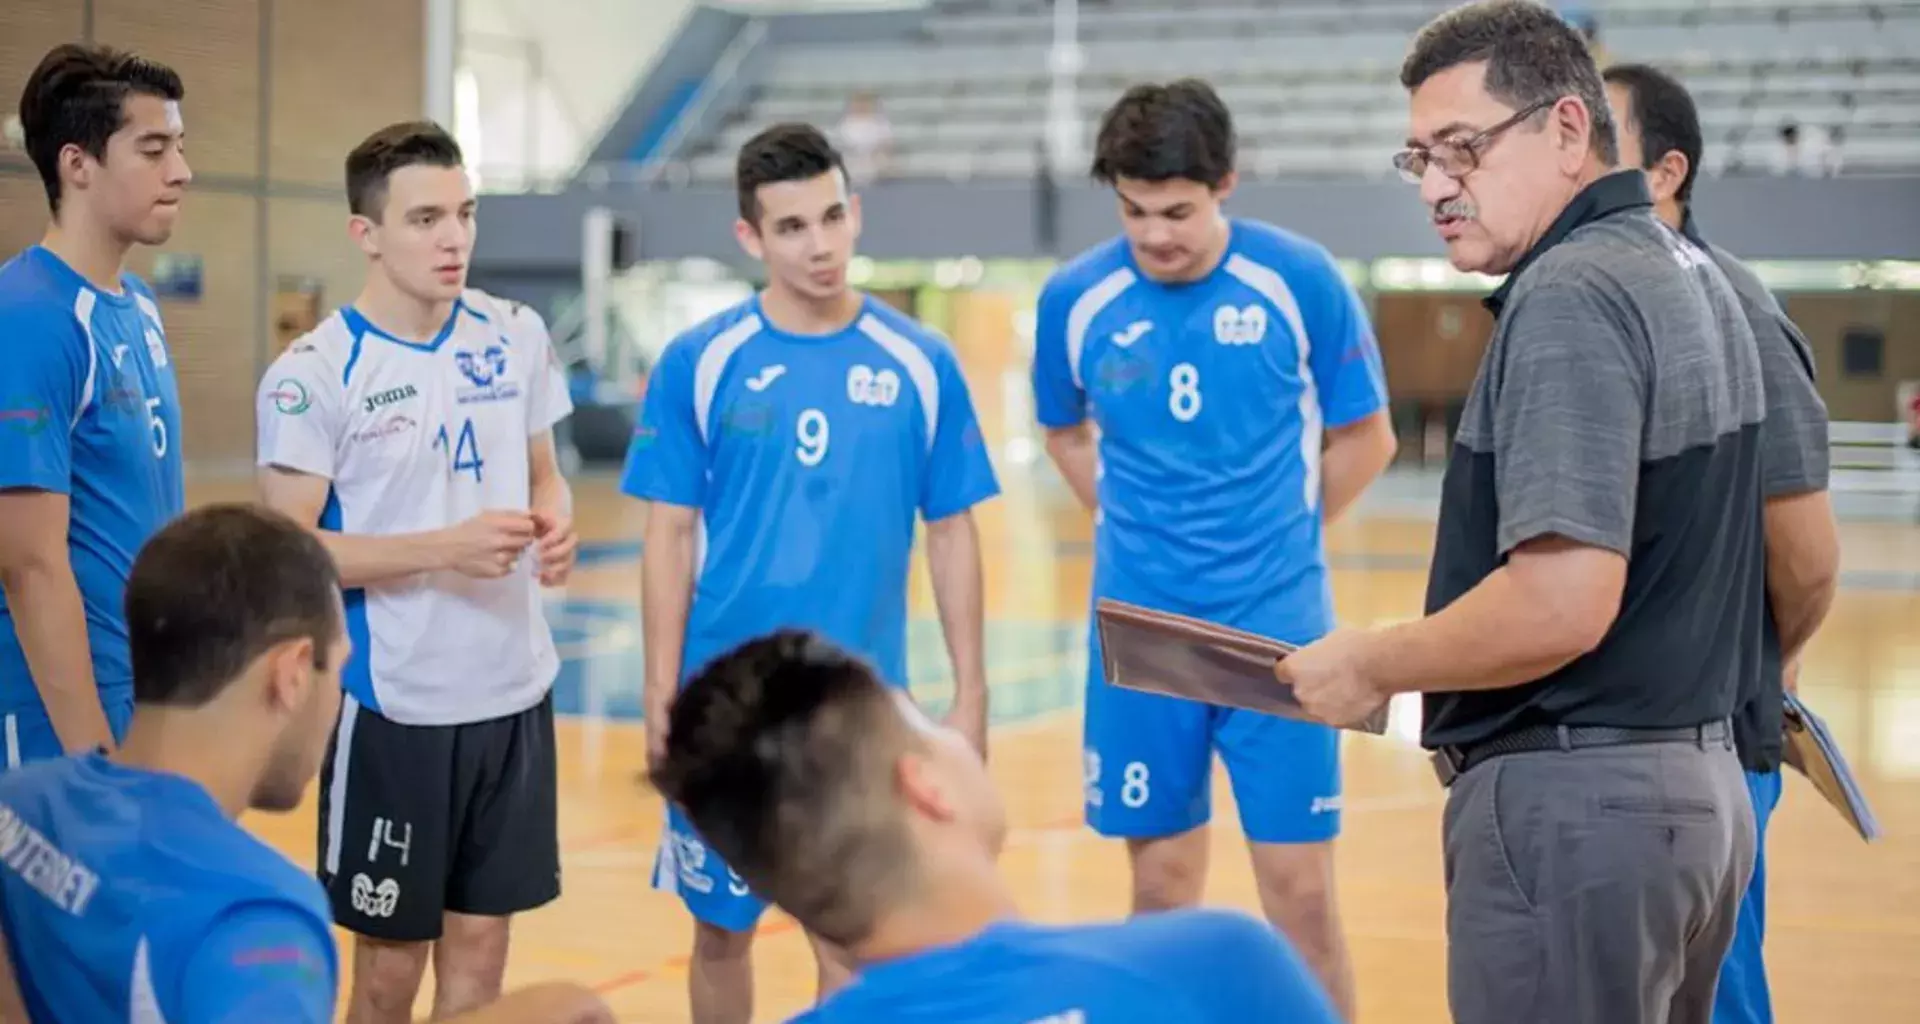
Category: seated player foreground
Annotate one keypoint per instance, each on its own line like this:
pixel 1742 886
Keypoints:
pixel 127 888
pixel 841 802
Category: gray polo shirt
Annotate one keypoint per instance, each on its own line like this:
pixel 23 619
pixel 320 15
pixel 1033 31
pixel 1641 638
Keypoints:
pixel 1619 405
pixel 1794 459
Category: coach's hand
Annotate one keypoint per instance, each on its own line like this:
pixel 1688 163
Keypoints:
pixel 487 546
pixel 559 546
pixel 1329 678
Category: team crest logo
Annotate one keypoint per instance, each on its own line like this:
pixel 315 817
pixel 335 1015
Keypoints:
pixel 375 900
pixel 1246 326
pixel 865 387
pixel 487 372
pixel 290 397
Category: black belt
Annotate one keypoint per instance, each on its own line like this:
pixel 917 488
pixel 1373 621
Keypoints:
pixel 1451 762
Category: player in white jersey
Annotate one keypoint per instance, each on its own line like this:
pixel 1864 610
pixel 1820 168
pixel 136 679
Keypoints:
pixel 413 429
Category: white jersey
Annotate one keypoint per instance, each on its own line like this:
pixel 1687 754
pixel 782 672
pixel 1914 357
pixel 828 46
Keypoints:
pixel 419 437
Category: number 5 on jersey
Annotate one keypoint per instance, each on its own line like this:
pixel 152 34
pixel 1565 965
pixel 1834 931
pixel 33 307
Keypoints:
pixel 465 452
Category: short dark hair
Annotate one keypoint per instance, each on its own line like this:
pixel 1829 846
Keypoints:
pixel 214 590
pixel 374 160
pixel 777 752
pixel 1532 54
pixel 1664 114
pixel 789 151
pixel 77 97
pixel 1161 132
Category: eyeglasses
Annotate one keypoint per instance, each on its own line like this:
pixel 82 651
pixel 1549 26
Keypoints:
pixel 1457 158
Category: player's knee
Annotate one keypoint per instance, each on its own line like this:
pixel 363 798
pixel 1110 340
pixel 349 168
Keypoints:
pixel 714 944
pixel 1167 877
pixel 386 976
pixel 1296 885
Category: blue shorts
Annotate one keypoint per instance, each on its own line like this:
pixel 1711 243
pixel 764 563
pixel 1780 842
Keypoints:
pixel 711 890
pixel 28 733
pixel 1742 996
pixel 1149 766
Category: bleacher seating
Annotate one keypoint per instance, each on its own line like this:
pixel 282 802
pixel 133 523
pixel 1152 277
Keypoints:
pixel 1313 84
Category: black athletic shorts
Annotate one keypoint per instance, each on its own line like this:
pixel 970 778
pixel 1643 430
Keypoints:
pixel 417 820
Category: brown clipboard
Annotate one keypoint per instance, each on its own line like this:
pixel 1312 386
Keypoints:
pixel 1193 659
pixel 1810 749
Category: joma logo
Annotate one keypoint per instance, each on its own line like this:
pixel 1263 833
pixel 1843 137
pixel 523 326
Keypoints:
pixel 390 396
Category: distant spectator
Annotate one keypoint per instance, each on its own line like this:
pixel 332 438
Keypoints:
pixel 1813 154
pixel 866 138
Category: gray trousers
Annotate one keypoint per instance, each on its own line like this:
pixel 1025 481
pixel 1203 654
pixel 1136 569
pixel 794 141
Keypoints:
pixel 1595 886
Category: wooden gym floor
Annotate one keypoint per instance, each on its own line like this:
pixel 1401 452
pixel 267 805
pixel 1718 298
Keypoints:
pixel 1844 916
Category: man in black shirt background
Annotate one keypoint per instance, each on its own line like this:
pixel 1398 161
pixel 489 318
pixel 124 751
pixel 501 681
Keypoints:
pixel 1597 592
pixel 1660 134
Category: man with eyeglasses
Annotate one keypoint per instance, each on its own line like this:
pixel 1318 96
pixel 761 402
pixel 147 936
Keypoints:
pixel 1598 579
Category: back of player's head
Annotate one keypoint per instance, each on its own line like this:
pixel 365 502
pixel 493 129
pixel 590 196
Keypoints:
pixel 373 162
pixel 817 783
pixel 784 152
pixel 1180 130
pixel 1661 114
pixel 218 588
pixel 77 97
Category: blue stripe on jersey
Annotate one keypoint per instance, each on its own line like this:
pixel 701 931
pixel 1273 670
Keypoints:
pixel 810 458
pixel 1210 397
pixel 356 676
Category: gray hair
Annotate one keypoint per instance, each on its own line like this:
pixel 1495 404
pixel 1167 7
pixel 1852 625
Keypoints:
pixel 1532 56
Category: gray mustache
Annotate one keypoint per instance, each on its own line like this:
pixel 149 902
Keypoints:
pixel 1462 209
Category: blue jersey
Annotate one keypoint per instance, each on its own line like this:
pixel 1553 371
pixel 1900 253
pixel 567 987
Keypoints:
pixel 1179 967
pixel 89 409
pixel 1211 399
pixel 809 457
pixel 128 895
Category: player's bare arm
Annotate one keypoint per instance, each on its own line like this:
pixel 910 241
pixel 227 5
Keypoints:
pixel 559 545
pixel 1354 457
pixel 485 546
pixel 666 594
pixel 49 615
pixel 1075 450
pixel 1803 566
pixel 953 556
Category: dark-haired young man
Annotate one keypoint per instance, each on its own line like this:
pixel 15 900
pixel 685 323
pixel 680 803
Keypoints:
pixel 413 429
pixel 1241 406
pixel 127 889
pixel 798 436
pixel 832 794
pixel 89 408
pixel 1660 134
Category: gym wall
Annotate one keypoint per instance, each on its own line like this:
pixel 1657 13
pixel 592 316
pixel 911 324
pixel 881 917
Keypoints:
pixel 277 92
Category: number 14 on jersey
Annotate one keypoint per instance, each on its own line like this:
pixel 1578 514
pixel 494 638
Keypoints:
pixel 463 451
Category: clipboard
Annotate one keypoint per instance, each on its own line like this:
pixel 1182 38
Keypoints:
pixel 1809 749
pixel 1192 659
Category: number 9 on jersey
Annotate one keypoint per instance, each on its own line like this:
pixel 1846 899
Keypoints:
pixel 811 431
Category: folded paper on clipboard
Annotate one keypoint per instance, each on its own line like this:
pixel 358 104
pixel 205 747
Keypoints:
pixel 1810 749
pixel 1178 656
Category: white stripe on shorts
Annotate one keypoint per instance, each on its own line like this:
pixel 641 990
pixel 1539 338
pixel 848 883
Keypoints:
pixel 337 784
pixel 13 743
